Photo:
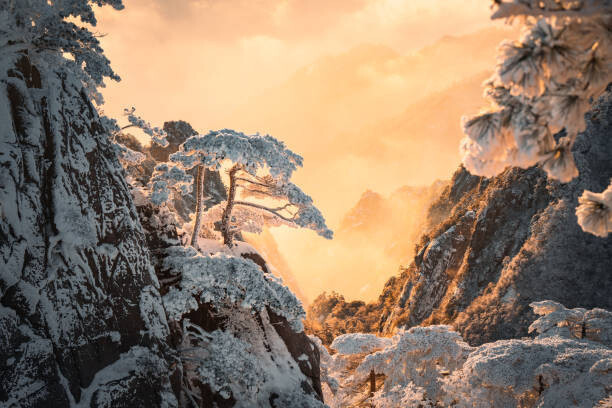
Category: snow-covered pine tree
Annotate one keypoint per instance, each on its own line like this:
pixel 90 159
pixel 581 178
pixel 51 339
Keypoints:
pixel 261 168
pixel 566 364
pixel 415 362
pixel 543 86
pixel 125 154
pixel 43 25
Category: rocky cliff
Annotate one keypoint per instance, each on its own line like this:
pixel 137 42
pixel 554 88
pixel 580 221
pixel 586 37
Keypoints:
pixel 508 241
pixel 79 302
pixel 492 246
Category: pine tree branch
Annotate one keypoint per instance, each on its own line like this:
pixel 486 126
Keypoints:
pixel 257 191
pixel 253 182
pixel 271 210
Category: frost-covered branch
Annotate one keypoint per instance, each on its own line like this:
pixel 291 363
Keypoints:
pixel 595 212
pixel 264 208
pixel 543 84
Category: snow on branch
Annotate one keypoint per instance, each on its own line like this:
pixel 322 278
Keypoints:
pixel 244 218
pixel 254 152
pixel 544 84
pixel 225 280
pixel 595 212
pixel 556 320
pixel 301 209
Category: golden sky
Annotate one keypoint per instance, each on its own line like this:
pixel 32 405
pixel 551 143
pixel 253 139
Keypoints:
pixel 201 59
pixel 321 75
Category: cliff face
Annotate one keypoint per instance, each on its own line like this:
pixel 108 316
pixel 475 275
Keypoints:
pixel 496 245
pixel 79 304
pixel 491 247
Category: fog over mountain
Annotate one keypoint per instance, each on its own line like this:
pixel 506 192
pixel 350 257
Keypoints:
pixel 430 129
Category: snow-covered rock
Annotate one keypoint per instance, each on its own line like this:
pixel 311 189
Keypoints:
pixel 216 296
pixel 81 320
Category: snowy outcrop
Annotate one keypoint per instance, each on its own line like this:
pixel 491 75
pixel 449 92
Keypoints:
pixel 80 315
pixel 236 328
pixel 221 299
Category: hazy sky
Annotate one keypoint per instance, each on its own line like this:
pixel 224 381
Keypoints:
pixel 200 59
pixel 204 61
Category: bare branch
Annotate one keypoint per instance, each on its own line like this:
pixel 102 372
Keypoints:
pixel 256 191
pixel 271 210
pixel 253 182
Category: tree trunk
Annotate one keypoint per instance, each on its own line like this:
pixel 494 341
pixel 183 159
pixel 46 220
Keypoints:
pixel 372 383
pixel 199 206
pixel 227 212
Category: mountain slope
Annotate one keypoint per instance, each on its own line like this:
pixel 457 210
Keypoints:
pixel 509 241
pixel 495 245
pixel 392 223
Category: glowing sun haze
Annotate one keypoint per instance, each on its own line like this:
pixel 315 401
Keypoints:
pixel 252 65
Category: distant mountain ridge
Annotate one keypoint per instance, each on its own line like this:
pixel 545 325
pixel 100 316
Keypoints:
pixel 340 94
pixel 396 220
